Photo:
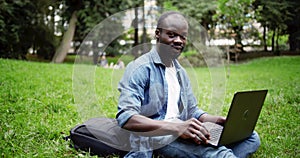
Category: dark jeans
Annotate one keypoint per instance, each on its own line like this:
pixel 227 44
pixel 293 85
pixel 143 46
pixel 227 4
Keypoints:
pixel 184 149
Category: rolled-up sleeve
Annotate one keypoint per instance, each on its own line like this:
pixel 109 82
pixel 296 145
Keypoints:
pixel 131 89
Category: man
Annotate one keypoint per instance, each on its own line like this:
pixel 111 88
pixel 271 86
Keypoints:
pixel 157 100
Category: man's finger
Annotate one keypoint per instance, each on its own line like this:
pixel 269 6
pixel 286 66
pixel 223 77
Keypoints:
pixel 202 138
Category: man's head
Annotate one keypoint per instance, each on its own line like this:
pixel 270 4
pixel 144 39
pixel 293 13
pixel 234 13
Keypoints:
pixel 171 35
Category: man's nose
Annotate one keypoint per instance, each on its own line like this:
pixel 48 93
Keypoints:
pixel 178 39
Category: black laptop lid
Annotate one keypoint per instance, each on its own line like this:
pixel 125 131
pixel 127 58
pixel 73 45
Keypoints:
pixel 242 116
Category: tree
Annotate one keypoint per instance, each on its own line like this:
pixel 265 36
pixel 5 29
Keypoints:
pixel 73 6
pixel 137 5
pixel 233 15
pixel 65 45
pixel 88 14
pixel 23 26
pixel 293 25
pixel 275 16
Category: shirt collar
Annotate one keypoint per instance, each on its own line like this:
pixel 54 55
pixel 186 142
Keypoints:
pixel 155 56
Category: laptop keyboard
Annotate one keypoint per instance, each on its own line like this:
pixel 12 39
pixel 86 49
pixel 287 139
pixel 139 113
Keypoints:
pixel 214 130
pixel 215 134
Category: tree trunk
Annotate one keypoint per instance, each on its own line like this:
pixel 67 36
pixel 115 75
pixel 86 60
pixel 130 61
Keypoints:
pixel 238 38
pixel 273 40
pixel 276 40
pixel 65 44
pixel 264 38
pixel 95 52
pixel 146 47
pixel 136 33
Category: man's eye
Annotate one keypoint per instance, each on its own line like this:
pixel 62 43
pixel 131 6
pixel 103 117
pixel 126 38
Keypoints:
pixel 171 34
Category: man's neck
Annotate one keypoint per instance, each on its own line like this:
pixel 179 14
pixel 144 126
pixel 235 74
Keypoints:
pixel 166 60
pixel 168 63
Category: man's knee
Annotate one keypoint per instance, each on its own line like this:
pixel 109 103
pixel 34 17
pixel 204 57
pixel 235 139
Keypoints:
pixel 219 152
pixel 255 139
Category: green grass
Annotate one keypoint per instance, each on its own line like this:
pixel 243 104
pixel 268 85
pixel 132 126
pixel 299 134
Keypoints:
pixel 39 106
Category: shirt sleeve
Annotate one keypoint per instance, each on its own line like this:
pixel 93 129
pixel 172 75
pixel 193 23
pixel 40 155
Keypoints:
pixel 131 89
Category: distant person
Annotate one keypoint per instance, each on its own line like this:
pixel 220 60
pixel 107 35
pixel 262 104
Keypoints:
pixel 156 96
pixel 120 64
pixel 103 62
pixel 111 65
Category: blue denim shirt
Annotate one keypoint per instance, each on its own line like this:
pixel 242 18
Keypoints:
pixel 144 90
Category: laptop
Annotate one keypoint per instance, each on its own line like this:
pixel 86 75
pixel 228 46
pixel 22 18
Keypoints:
pixel 241 118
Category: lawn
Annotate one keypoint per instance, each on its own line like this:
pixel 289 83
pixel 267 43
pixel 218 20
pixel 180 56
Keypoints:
pixel 41 102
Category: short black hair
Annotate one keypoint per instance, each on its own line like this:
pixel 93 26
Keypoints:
pixel 164 16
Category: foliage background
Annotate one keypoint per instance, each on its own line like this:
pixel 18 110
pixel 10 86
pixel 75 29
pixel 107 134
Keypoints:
pixel 32 25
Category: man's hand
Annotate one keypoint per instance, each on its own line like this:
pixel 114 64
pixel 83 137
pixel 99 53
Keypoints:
pixel 211 118
pixel 194 130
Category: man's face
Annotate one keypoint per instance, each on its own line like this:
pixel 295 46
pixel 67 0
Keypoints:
pixel 172 37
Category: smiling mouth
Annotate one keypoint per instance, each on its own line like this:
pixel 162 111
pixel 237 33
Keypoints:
pixel 179 48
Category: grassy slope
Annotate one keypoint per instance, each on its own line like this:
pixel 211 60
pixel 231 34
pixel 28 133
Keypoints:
pixel 38 107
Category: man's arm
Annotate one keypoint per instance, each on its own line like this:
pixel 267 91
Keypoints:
pixel 211 118
pixel 140 123
pixel 190 129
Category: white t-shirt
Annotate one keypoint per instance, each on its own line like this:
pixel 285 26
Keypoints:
pixel 173 93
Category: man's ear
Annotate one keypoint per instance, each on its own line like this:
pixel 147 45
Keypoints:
pixel 157 33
